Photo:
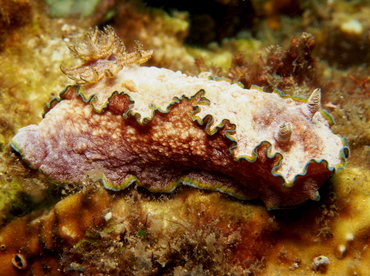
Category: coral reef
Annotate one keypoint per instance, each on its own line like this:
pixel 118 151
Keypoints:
pixel 129 235
pixel 288 69
pixel 32 235
pixel 342 40
pixel 273 11
pixel 157 30
pixel 14 13
pixel 254 155
pixel 212 21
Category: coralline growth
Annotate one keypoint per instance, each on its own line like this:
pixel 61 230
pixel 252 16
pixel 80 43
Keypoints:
pixel 93 233
pixel 123 123
pixel 25 240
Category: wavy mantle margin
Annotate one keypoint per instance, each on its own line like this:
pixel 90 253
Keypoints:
pixel 207 122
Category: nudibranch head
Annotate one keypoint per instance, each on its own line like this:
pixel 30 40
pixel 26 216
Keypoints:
pixel 123 123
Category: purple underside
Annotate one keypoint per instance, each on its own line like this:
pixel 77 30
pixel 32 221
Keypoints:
pixel 71 164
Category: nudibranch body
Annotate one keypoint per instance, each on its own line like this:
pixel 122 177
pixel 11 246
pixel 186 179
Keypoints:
pixel 161 128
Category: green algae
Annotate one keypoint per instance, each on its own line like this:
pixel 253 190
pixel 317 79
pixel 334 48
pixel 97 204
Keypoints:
pixel 14 201
pixel 65 8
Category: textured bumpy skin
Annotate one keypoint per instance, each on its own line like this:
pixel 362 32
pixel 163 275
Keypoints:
pixel 160 128
pixel 124 123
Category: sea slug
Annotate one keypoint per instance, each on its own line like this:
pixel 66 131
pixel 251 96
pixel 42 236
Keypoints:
pixel 123 123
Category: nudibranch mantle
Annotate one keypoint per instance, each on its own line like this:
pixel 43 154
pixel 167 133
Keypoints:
pixel 255 114
pixel 161 128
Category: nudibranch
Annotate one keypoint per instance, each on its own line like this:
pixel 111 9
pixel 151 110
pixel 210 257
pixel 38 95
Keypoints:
pixel 123 123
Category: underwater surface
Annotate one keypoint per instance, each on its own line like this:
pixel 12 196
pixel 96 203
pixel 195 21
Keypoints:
pixel 174 139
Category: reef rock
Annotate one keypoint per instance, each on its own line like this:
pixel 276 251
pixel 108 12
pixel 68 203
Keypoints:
pixel 123 123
